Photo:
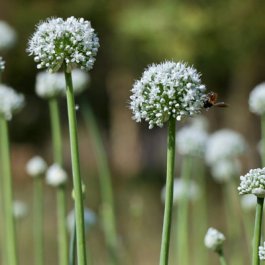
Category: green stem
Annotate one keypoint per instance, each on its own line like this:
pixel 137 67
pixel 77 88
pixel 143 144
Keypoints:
pixel 72 254
pixel 79 208
pixel 109 221
pixel 257 231
pixel 164 252
pixel 222 257
pixel 182 214
pixel 263 139
pixel 38 220
pixel 9 221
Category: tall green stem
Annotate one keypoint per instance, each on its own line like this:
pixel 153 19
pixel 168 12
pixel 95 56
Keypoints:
pixel 109 221
pixel 263 139
pixel 164 252
pixel 257 231
pixel 222 257
pixel 79 207
pixel 9 221
pixel 38 220
pixel 72 253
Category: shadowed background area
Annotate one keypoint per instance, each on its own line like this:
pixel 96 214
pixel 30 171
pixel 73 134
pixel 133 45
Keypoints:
pixel 223 39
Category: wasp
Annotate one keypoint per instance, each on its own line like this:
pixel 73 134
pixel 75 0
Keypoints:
pixel 210 101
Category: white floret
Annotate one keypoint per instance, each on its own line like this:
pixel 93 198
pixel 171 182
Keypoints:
pixel 257 99
pixel 56 175
pixel 214 239
pixel 36 166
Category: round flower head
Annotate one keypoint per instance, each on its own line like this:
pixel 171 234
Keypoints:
pixel 20 209
pixel 224 144
pixel 10 101
pixel 36 166
pixel 2 65
pixel 191 140
pixel 257 99
pixel 89 216
pixel 262 252
pixel 214 239
pixel 56 176
pixel 248 202
pixel 7 36
pixel 167 90
pixel 80 81
pixel 253 183
pixel 57 41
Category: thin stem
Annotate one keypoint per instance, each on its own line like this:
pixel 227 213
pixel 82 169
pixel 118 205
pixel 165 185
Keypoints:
pixel 9 221
pixel 72 253
pixel 108 214
pixel 263 139
pixel 164 252
pixel 38 220
pixel 222 257
pixel 257 231
pixel 79 208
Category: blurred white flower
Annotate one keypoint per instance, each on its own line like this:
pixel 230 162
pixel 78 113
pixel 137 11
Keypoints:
pixel 257 99
pixel 36 166
pixel 214 239
pixel 7 36
pixel 248 202
pixel 80 81
pixel 200 122
pixel 10 101
pixel 181 189
pixel 89 216
pixel 56 176
pixel 20 209
pixel 167 90
pixel 2 65
pixel 57 41
pixel 262 252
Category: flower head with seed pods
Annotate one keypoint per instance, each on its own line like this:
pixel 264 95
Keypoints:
pixel 257 99
pixel 214 239
pixel 253 183
pixel 56 176
pixel 57 41
pixel 2 65
pixel 262 252
pixel 36 166
pixel 167 90
pixel 7 36
pixel 10 101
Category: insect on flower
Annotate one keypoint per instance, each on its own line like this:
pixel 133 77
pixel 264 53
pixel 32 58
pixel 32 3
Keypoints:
pixel 210 101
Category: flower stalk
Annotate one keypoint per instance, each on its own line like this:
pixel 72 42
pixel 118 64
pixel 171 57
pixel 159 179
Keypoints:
pixel 164 251
pixel 222 257
pixel 263 139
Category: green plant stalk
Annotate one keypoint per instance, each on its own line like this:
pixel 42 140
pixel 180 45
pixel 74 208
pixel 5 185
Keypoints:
pixel 9 222
pixel 79 207
pixel 263 140
pixel 257 231
pixel 182 214
pixel 61 191
pixel 38 220
pixel 108 212
pixel 72 253
pixel 164 251
pixel 222 258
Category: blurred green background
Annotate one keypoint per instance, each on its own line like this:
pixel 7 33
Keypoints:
pixel 223 39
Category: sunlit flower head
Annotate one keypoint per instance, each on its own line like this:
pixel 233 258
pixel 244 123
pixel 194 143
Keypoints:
pixel 262 252
pixel 2 65
pixel 257 99
pixel 36 166
pixel 20 209
pixel 7 36
pixel 10 101
pixel 214 239
pixel 191 140
pixel 253 183
pixel 57 41
pixel 56 176
pixel 248 202
pixel 167 90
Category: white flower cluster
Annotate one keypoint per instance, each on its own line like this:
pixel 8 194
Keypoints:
pixel 214 239
pixel 253 182
pixel 191 140
pixel 10 101
pixel 7 36
pixel 50 85
pixel 262 252
pixel 20 209
pixel 2 65
pixel 257 99
pixel 167 90
pixel 56 175
pixel 248 202
pixel 57 41
pixel 36 166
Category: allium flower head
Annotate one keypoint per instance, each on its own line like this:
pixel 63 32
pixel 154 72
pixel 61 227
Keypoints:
pixel 57 41
pixel 167 90
pixel 253 183
pixel 262 252
pixel 2 65
pixel 7 36
pixel 214 239
pixel 191 140
pixel 56 176
pixel 36 166
pixel 20 209
pixel 10 101
pixel 80 81
pixel 257 99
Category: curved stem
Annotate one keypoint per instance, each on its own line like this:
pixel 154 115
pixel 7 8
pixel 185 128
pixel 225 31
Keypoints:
pixel 9 221
pixel 257 231
pixel 222 258
pixel 79 208
pixel 164 252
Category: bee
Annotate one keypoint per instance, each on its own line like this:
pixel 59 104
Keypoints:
pixel 210 101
